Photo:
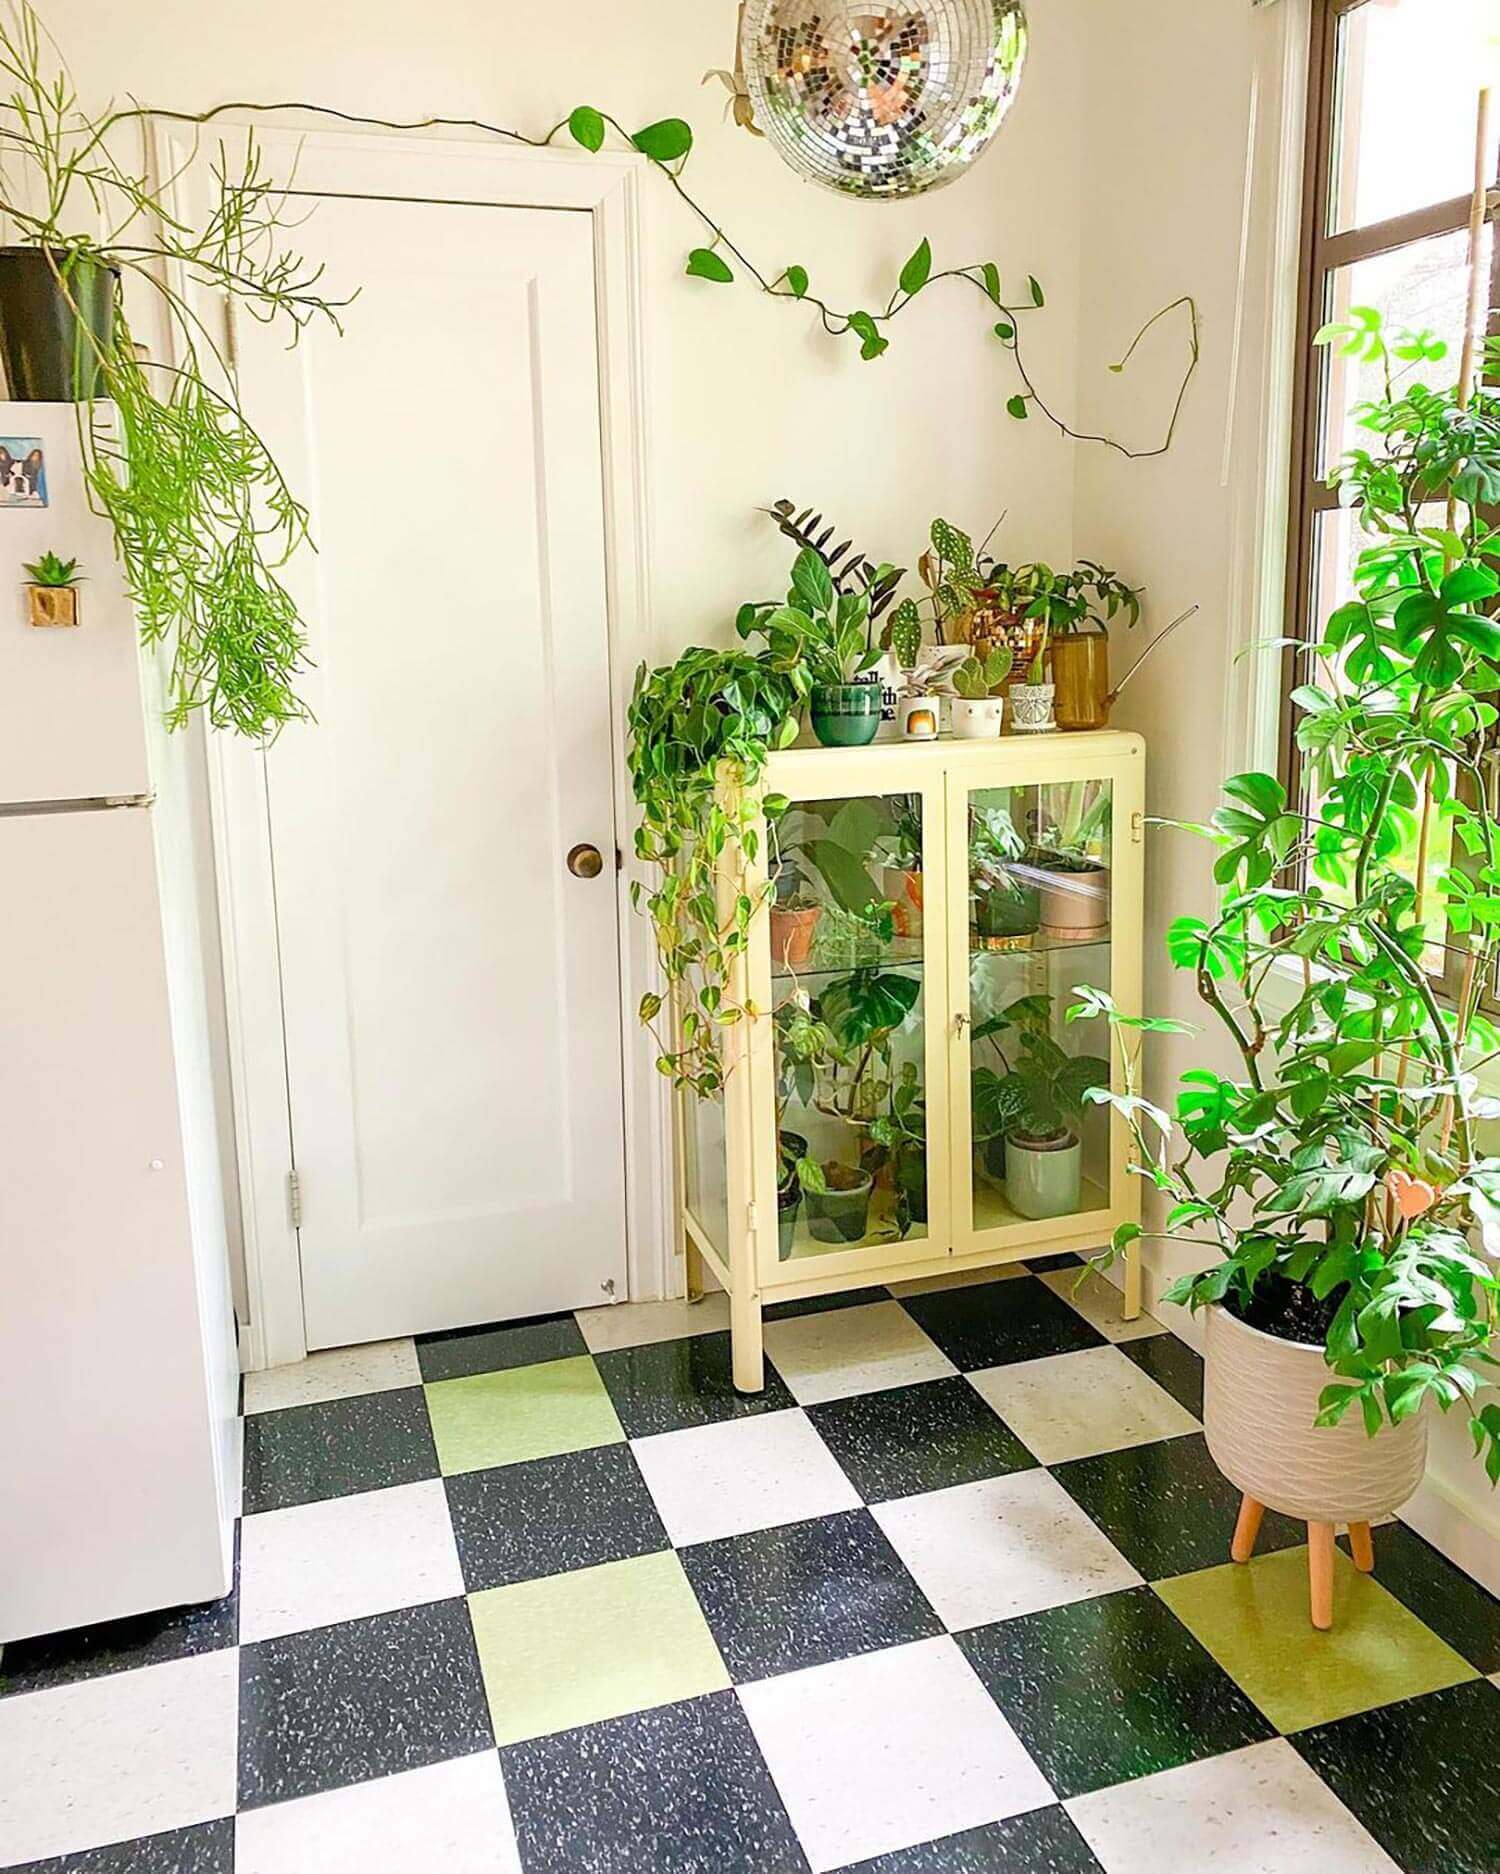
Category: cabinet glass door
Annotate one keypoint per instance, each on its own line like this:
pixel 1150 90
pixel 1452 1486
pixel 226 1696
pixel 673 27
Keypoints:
pixel 1036 873
pixel 852 958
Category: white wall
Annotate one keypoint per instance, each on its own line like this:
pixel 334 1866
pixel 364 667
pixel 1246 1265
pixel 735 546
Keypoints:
pixel 749 400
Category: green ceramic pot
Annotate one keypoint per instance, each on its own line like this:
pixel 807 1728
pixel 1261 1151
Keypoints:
pixel 845 715
pixel 840 1216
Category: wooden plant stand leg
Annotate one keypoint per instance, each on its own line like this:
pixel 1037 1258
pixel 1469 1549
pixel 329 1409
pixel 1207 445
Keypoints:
pixel 1362 1547
pixel 1320 1574
pixel 748 1343
pixel 1246 1529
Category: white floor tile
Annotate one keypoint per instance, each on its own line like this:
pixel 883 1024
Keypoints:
pixel 852 1350
pixel 959 1278
pixel 879 1753
pixel 108 1759
pixel 1075 1405
pixel 1100 1303
pixel 1245 1813
pixel 452 1817
pixel 344 1558
pixel 643 1323
pixel 1007 1545
pixel 725 1480
pixel 339 1373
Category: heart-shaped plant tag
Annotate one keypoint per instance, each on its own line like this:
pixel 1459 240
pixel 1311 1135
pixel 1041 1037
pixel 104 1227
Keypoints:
pixel 1414 1196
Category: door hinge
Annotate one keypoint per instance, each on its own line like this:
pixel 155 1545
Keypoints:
pixel 1137 827
pixel 751 1218
pixel 294 1197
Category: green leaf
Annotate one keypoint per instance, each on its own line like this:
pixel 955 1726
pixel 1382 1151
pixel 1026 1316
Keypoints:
pixel 1038 298
pixel 1004 329
pixel 704 264
pixel 796 279
pixel 1017 407
pixel 666 141
pixel 587 127
pixel 916 272
pixel 992 283
pixel 812 581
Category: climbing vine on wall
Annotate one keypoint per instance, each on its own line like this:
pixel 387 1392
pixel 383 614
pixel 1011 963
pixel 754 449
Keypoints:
pixel 667 145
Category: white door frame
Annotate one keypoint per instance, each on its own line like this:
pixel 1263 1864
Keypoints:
pixel 443 169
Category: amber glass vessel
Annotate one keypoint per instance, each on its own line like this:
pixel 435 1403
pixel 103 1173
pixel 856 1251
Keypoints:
pixel 1080 671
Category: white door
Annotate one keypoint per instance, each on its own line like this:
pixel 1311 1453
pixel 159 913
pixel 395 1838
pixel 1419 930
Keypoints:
pixel 451 989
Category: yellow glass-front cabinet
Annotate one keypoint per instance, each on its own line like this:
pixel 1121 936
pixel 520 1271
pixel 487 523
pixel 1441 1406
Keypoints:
pixel 912 1096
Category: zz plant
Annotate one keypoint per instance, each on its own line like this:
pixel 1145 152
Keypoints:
pixel 1339 1177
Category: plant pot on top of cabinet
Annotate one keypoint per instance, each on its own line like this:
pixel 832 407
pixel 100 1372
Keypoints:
pixel 1080 675
pixel 845 715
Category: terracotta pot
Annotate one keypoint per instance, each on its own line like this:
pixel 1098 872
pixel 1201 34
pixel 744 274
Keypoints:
pixel 1080 675
pixel 1075 904
pixel 792 935
pixel 1259 1403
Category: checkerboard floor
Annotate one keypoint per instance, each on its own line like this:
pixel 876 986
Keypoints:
pixel 952 1594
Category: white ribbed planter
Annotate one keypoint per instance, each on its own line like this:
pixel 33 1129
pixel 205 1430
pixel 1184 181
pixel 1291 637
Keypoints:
pixel 1260 1398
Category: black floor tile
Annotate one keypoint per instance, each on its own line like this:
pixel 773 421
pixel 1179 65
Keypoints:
pixel 1041 1842
pixel 206 1849
pixel 365 1698
pixel 998 1322
pixel 118 1645
pixel 465 1350
pixel 915 1438
pixel 1454 1605
pixel 806 1593
pixel 550 1515
pixel 337 1448
pixel 1166 1507
pixel 679 1790
pixel 676 1383
pixel 1176 1367
pixel 821 1304
pixel 1109 1689
pixel 1422 1776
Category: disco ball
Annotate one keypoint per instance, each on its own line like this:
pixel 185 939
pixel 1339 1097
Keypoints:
pixel 882 100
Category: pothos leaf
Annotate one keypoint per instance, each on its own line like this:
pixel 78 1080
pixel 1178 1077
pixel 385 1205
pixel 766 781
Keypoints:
pixel 666 141
pixel 796 279
pixel 586 125
pixel 916 272
pixel 704 264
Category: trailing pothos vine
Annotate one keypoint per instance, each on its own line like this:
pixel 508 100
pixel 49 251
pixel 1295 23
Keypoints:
pixel 667 144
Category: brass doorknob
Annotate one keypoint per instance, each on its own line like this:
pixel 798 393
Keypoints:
pixel 585 862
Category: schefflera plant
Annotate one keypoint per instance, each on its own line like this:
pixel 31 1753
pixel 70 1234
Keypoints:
pixel 1345 1157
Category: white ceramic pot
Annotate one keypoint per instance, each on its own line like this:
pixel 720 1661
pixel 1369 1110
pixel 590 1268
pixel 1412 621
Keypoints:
pixel 1031 707
pixel 976 718
pixel 921 718
pixel 1044 1180
pixel 1260 1399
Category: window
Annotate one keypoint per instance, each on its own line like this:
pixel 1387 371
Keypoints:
pixel 1392 115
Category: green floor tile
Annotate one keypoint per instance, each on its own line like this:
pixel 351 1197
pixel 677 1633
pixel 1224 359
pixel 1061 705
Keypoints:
pixel 597 1643
pixel 523 1412
pixel 1254 1620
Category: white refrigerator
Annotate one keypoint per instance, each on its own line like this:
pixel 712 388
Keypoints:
pixel 118 1372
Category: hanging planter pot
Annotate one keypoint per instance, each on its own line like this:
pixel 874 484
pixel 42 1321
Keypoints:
pixel 50 348
pixel 1080 675
pixel 845 715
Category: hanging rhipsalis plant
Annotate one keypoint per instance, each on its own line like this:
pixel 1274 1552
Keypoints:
pixel 203 519
pixel 1339 1176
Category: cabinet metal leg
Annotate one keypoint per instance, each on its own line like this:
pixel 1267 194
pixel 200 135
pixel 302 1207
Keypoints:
pixel 748 1343
pixel 1133 1282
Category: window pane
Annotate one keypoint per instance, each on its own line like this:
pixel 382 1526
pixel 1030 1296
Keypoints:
pixel 1409 82
pixel 1340 541
pixel 1423 287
